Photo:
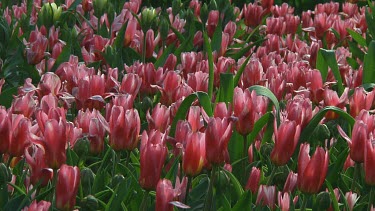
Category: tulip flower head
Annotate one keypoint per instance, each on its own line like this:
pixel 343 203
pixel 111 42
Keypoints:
pixel 67 187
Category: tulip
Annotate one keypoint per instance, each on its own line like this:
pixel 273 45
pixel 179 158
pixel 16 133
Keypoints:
pixel 20 135
pixel 266 196
pixel 159 119
pixel 360 100
pixel 195 154
pixel 358 141
pixel 37 46
pixel 153 153
pixel 218 133
pixel 5 129
pixel 299 110
pixel 253 181
pixel 24 105
pixel 49 83
pixel 131 83
pixel 35 157
pixel 291 182
pixel 54 141
pixel 331 99
pixel 124 126
pixel 286 139
pixel 164 195
pixel 369 163
pixel 67 187
pixel 198 81
pixel 283 201
pixel 212 21
pixel 351 198
pixel 252 14
pixel 311 171
pixel 38 206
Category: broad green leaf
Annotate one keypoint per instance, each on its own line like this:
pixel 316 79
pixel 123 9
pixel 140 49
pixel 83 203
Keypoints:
pixel 205 102
pixel 217 38
pixel 240 71
pixel 119 41
pixel 369 65
pixel 118 196
pixel 210 64
pixel 246 49
pixel 327 58
pixel 357 37
pixel 370 23
pixel 333 197
pixel 356 52
pixel 74 4
pixel 307 132
pixel 261 90
pixel 335 168
pixel 244 203
pixel 236 184
pixel 6 96
pixel 226 88
pixel 258 126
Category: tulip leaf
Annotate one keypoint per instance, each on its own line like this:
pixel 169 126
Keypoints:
pixel 240 71
pixel 204 100
pixel 14 203
pixel 335 168
pixel 309 129
pixel 118 196
pixel 246 49
pixel 369 64
pixel 171 175
pixel 327 58
pixel 243 202
pixel 3 195
pixel 226 88
pixel 210 64
pixel 74 4
pixel 161 60
pixel 258 126
pixel 236 184
pixel 217 38
pixel 261 90
pixel 357 37
pixel 6 96
pixel 119 41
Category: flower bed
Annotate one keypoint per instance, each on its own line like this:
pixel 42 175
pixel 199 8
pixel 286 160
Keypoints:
pixel 113 105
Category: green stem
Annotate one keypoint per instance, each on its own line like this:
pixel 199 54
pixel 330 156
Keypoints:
pixel 210 194
pixel 9 160
pixel 244 152
pixel 127 161
pixel 357 169
pixel 371 198
pixel 144 47
pixel 188 190
pixel 273 172
pixel 144 202
pixel 54 182
pixel 304 202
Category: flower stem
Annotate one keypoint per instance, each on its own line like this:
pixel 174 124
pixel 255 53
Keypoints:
pixel 54 182
pixel 144 202
pixel 357 169
pixel 188 190
pixel 304 202
pixel 371 198
pixel 243 157
pixel 273 172
pixel 210 193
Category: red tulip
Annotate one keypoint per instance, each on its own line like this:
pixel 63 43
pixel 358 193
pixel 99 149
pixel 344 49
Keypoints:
pixel 311 171
pixel 38 206
pixel 352 198
pixel 124 126
pixel 291 182
pixel 24 104
pixel 218 134
pixel 67 187
pixel 299 110
pixel 131 83
pixel 164 195
pixel 130 31
pixel 252 14
pixel 35 157
pixel 369 163
pixel 36 48
pixel 198 81
pixel 20 135
pixel 358 141
pixel 5 129
pixel 331 99
pixel 159 119
pixel 266 196
pixel 253 181
pixel 153 154
pixel 49 83
pixel 212 21
pixel 360 100
pixel 286 139
pixel 195 154
pixel 283 201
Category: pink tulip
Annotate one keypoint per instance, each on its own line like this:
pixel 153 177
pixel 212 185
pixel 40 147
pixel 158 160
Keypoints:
pixel 266 196
pixel 283 201
pixel 67 187
pixel 195 154
pixel 164 195
pixel 38 206
pixel 291 182
pixel 253 181
pixel 159 119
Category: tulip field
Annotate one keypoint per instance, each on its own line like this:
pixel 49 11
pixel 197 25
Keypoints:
pixel 187 105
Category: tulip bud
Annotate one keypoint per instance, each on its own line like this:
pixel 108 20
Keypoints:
pixel 89 203
pixel 117 179
pixel 67 187
pixel 56 11
pixel 49 14
pixel 87 180
pixel 82 147
pixel 323 201
pixel 147 18
pixel 5 175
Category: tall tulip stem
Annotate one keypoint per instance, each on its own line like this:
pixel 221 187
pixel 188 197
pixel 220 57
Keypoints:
pixel 188 190
pixel 371 199
pixel 210 193
pixel 304 202
pixel 144 201
pixel 357 170
pixel 272 175
pixel 244 152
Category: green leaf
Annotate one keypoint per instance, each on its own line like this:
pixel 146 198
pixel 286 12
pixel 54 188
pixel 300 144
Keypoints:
pixel 258 126
pixel 226 88
pixel 171 175
pixel 356 52
pixel 357 37
pixel 335 203
pixel 369 64
pixel 210 64
pixel 244 203
pixel 307 132
pixel 161 60
pixel 74 4
pixel 261 90
pixel 240 71
pixel 236 184
pixel 204 100
pixel 370 22
pixel 334 169
pixel 119 42
pixel 63 57
pixel 327 58
pixel 118 196
pixel 6 96
pixel 217 38
pixel 246 49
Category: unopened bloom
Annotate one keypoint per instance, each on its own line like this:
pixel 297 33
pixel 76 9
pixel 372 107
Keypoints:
pixel 266 196
pixel 38 206
pixel 283 201
pixel 153 154
pixel 164 194
pixel 195 154
pixel 291 182
pixel 351 198
pixel 311 171
pixel 358 140
pixel 253 181
pixel 67 187
pixel 286 139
